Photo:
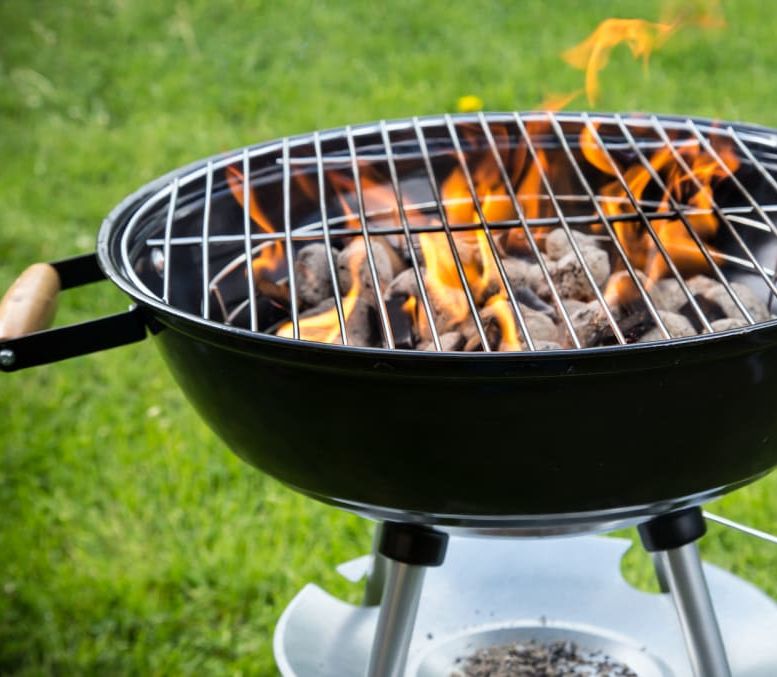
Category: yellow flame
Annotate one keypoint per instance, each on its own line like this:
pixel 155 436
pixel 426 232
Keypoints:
pixel 503 313
pixel 556 102
pixel 593 54
pixel 694 189
pixel 324 327
pixel 271 257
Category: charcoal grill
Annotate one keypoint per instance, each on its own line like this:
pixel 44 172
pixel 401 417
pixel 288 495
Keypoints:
pixel 527 435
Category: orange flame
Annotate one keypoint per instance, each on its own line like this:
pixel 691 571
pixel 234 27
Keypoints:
pixel 673 234
pixel 641 36
pixel 593 54
pixel 473 248
pixel 694 189
pixel 556 102
pixel 504 316
pixel 270 257
pixel 324 327
pixel 378 197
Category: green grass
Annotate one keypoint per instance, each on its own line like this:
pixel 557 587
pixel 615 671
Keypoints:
pixel 132 541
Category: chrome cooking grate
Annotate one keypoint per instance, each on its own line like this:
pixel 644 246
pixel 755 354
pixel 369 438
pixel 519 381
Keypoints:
pixel 224 249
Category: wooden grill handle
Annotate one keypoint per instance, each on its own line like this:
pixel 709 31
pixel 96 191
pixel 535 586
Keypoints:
pixel 29 305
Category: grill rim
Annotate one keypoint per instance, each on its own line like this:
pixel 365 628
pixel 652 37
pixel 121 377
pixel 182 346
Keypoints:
pixel 529 524
pixel 113 266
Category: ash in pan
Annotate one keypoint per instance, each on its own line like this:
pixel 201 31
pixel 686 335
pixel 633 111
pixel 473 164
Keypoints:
pixel 532 659
pixel 700 304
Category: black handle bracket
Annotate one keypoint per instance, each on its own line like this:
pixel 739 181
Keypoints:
pixel 61 343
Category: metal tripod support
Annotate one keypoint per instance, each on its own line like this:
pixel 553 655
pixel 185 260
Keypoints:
pixel 671 538
pixel 408 550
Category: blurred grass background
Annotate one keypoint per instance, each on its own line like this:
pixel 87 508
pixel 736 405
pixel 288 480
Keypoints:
pixel 131 541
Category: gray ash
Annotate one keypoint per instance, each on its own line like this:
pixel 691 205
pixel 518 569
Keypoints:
pixel 533 659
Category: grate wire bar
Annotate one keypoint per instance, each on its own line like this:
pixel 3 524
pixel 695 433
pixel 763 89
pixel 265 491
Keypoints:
pixel 429 146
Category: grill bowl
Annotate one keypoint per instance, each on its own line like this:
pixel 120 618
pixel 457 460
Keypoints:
pixel 577 437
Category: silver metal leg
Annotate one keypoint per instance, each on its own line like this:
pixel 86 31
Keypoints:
pixel 688 587
pixel 396 620
pixel 376 576
pixel 660 571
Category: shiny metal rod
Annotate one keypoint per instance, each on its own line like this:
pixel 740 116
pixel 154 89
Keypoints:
pixel 376 576
pixel 688 587
pixel 396 620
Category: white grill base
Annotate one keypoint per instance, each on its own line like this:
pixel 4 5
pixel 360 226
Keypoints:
pixel 497 590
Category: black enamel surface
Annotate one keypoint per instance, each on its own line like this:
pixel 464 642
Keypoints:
pixel 460 435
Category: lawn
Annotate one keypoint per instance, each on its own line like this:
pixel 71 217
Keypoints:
pixel 132 541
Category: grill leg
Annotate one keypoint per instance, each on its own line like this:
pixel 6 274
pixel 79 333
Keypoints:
pixel 410 549
pixel 659 566
pixel 376 576
pixel 672 539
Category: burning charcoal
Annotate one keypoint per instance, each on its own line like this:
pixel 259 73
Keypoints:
pixel 678 326
pixel 755 306
pixel 490 320
pixel 635 324
pixel 523 273
pixel 312 274
pixel 397 258
pixel 277 292
pixel 537 282
pixel 591 325
pixel 527 297
pixel 570 277
pixel 384 263
pixel 667 294
pixel 401 321
pixel 522 277
pixel 449 341
pixel 557 243
pixel 714 291
pixel 473 344
pixel 711 310
pixel 699 284
pixel 540 326
pixel 322 324
pixel 546 345
pixel 403 285
pixel 444 305
pixel 573 305
pixel 518 271
pixel 362 325
pixel 728 323
pixel 622 292
pixel 469 249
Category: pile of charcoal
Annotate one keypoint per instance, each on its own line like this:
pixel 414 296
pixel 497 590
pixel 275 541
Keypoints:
pixel 697 305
